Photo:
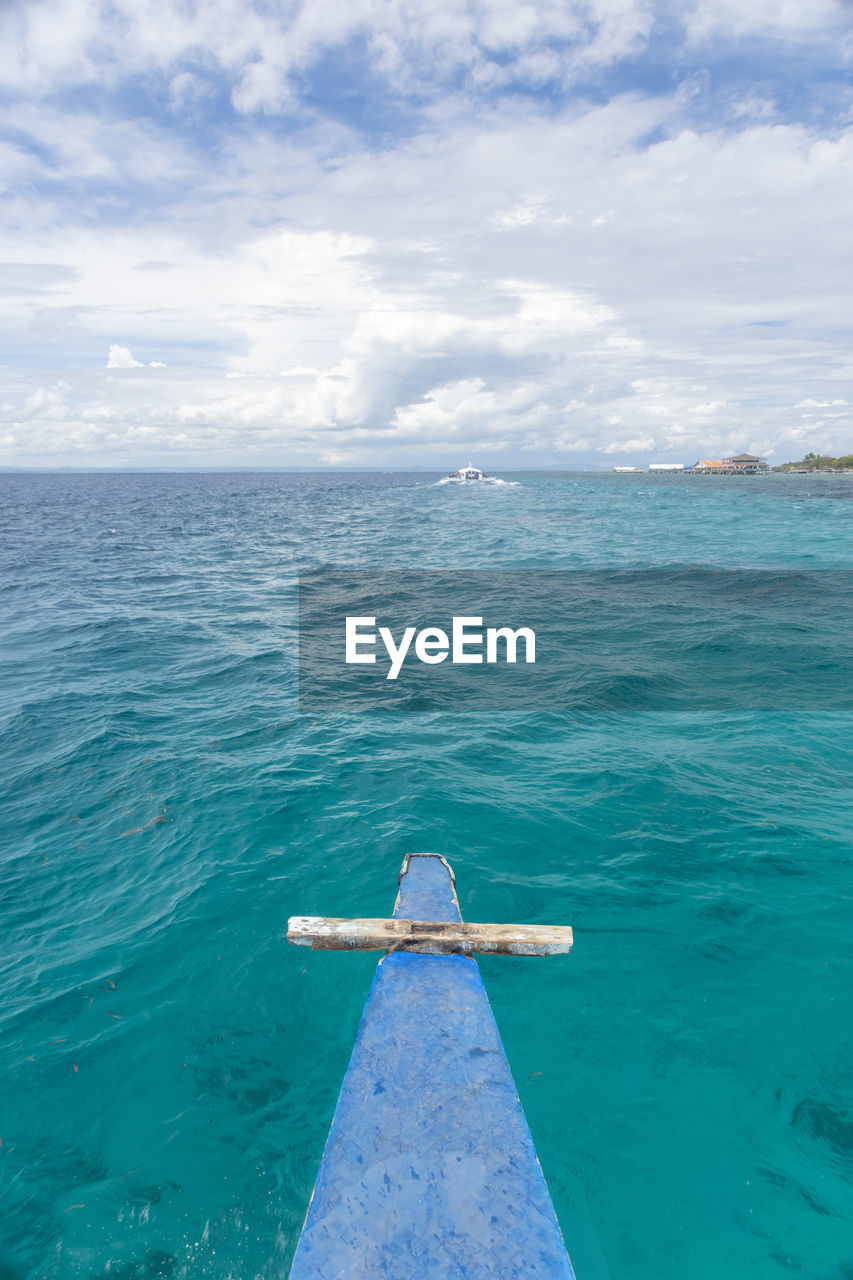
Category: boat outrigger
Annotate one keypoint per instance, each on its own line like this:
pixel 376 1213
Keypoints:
pixel 429 1171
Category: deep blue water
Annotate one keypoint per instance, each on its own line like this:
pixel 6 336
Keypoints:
pixel 170 1066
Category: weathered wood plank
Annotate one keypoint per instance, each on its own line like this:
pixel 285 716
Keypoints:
pixel 429 937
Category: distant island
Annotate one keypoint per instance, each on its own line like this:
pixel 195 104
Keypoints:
pixel 819 462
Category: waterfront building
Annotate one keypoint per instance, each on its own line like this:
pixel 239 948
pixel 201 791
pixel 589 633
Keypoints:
pixel 740 464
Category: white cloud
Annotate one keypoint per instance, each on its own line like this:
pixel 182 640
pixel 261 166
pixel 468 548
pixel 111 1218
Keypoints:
pixel 800 18
pixel 708 409
pixel 639 444
pixel 120 358
pixel 520 215
pixel 580 444
pixel 260 49
pixel 507 268
pixel 47 404
pixel 818 404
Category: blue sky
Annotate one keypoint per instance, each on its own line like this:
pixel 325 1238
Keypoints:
pixel 396 233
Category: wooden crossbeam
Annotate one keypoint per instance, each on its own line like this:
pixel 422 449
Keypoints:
pixel 429 937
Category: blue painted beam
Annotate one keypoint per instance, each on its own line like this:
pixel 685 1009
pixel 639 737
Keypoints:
pixel 429 1171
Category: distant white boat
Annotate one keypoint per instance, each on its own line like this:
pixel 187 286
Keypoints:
pixel 468 475
pixel 473 475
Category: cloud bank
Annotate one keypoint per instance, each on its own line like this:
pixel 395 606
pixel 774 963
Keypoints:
pixel 390 234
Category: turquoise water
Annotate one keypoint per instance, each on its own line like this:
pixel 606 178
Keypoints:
pixel 170 1066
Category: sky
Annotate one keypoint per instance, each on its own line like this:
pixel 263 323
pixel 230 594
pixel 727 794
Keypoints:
pixel 410 233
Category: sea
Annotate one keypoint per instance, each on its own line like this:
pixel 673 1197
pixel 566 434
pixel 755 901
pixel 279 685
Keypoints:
pixel 170 1065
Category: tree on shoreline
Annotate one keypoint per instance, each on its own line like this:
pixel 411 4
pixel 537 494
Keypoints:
pixel 819 462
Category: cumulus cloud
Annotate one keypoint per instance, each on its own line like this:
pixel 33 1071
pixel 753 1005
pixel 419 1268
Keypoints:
pixel 261 49
pixel 264 53
pixel 120 358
